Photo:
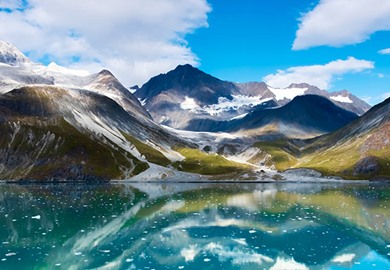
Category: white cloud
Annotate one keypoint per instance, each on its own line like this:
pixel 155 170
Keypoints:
pixel 385 51
pixel 134 39
pixel 318 75
pixel 342 22
pixel 11 4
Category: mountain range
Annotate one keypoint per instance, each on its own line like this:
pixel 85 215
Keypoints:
pixel 189 99
pixel 61 124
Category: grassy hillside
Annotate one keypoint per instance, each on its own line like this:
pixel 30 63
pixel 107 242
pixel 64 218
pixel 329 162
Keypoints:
pixel 200 162
pixel 55 150
pixel 361 157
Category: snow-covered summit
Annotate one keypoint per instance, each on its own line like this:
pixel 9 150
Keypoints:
pixel 10 55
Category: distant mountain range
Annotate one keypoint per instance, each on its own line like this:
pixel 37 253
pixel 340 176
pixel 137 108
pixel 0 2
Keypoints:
pixel 187 98
pixel 61 124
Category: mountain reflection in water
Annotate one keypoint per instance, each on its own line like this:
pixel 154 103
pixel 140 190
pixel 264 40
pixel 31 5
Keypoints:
pixel 195 226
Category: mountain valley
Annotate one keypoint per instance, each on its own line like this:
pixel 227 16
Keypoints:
pixel 62 125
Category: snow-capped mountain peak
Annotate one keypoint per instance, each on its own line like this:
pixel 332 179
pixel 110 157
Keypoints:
pixel 10 55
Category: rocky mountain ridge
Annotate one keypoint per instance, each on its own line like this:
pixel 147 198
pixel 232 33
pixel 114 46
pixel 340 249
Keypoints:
pixel 186 96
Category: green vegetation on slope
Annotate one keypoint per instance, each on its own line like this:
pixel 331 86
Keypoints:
pixel 200 162
pixel 151 154
pixel 56 150
pixel 283 155
pixel 336 160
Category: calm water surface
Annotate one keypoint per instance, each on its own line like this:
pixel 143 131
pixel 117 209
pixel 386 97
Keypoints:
pixel 195 226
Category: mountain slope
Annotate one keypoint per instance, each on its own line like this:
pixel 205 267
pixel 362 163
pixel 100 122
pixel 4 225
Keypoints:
pixel 360 150
pixel 308 114
pixel 54 133
pixel 68 124
pixel 187 81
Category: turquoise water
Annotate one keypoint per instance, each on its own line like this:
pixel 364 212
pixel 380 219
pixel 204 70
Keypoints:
pixel 195 226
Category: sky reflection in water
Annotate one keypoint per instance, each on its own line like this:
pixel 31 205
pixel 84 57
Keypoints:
pixel 195 226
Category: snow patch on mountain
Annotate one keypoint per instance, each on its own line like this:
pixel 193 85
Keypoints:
pixel 341 98
pixel 190 104
pixel 237 102
pixel 93 123
pixel 223 105
pixel 239 116
pixel 245 155
pixel 203 139
pixel 287 93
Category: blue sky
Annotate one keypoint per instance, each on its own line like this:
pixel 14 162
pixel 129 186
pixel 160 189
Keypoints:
pixel 248 40
pixel 333 44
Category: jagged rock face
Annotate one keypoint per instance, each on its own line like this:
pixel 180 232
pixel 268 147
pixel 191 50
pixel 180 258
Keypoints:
pixel 107 84
pixel 366 166
pixel 187 98
pixel 175 98
pixel 188 81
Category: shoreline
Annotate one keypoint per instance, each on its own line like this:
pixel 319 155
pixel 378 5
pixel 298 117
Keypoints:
pixel 204 181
